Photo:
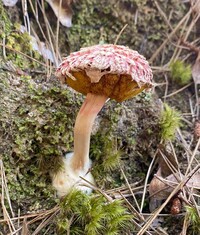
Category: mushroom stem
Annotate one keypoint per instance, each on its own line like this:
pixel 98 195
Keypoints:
pixel 83 127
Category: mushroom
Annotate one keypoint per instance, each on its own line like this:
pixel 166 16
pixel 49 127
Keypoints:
pixel 100 72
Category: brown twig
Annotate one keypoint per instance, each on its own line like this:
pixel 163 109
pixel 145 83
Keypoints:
pixel 190 46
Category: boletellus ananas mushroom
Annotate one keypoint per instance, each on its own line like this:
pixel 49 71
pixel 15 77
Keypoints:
pixel 99 72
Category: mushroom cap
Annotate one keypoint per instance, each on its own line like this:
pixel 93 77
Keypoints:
pixel 111 70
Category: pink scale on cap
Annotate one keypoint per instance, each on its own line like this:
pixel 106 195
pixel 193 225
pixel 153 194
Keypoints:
pixel 100 61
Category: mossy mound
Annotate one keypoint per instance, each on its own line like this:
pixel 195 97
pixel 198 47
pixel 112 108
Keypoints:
pixel 37 114
pixel 37 121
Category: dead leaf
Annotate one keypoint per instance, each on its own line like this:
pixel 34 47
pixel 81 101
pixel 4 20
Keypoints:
pixel 196 70
pixel 160 188
pixel 157 188
pixel 64 14
pixel 166 160
pixel 9 3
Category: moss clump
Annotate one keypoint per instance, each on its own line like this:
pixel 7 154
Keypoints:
pixel 19 48
pixel 192 216
pixel 43 125
pixel 5 24
pixel 19 41
pixel 36 122
pixel 106 158
pixel 17 44
pixel 170 121
pixel 92 215
pixel 181 72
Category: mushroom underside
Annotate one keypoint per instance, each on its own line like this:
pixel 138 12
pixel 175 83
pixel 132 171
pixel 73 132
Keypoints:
pixel 118 87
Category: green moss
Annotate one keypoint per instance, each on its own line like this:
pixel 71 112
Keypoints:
pixel 36 129
pixel 106 157
pixel 16 43
pixel 92 215
pixel 20 42
pixel 42 125
pixel 5 24
pixel 170 121
pixel 181 72
pixel 192 216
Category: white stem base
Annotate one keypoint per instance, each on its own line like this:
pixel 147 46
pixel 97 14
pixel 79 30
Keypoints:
pixel 67 179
